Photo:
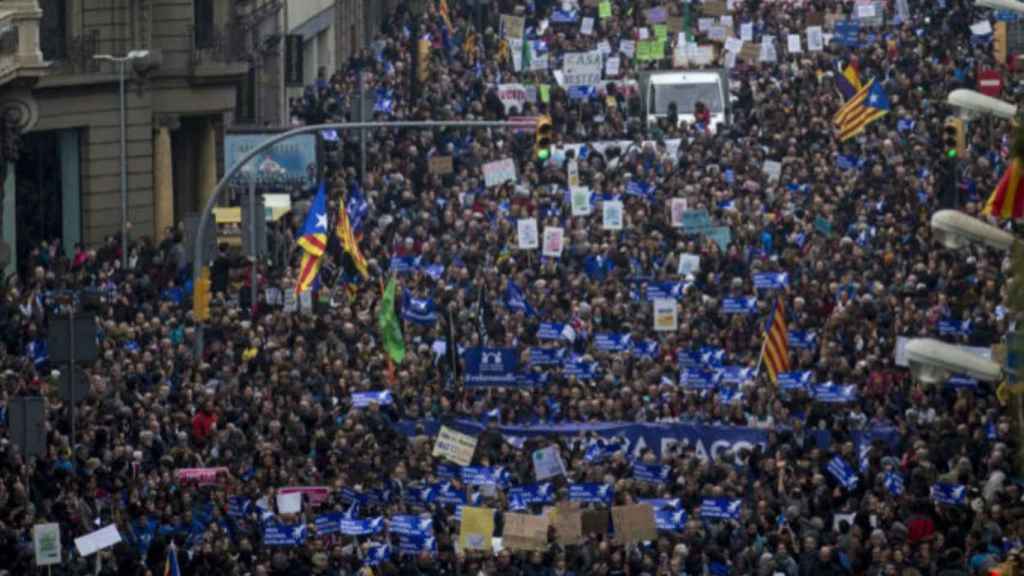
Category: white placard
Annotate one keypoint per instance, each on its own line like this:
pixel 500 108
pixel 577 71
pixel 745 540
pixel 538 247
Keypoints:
pixel 730 60
pixel 611 214
pixel 306 302
pixel 587 26
pixel 705 24
pixel 513 97
pixel 604 47
pixel 747 31
pixel 717 33
pixel 572 169
pixel 643 33
pixel 688 264
pixel 628 47
pixel 499 172
pixel 554 242
pixel 583 68
pixel 733 45
pixel 547 463
pixel 705 54
pixel 793 44
pixel 983 28
pixel 865 11
pixel 559 77
pixel 611 67
pixel 815 41
pixel 455 446
pixel 101 539
pixel 290 503
pixel 772 169
pixel 526 229
pixel 676 209
pixel 46 544
pixel 580 198
pixel 767 53
pixel 666 315
pixel 727 22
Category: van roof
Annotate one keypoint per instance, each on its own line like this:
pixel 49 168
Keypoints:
pixel 685 78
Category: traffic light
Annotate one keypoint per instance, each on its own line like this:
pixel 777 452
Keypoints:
pixel 543 138
pixel 954 141
pixel 201 296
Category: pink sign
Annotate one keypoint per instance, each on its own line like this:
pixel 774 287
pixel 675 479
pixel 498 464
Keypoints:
pixel 200 475
pixel 314 494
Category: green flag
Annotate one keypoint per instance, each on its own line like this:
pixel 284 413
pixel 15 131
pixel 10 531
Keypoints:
pixel 527 54
pixel 387 321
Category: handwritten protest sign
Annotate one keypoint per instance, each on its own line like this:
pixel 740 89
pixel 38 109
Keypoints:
pixel 455 446
pixel 498 172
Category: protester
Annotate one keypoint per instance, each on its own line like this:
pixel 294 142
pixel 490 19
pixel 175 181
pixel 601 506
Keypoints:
pixel 193 458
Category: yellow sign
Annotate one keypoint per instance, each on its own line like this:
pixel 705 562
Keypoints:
pixel 476 528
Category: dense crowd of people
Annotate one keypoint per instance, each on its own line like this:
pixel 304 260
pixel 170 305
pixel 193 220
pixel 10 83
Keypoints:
pixel 855 469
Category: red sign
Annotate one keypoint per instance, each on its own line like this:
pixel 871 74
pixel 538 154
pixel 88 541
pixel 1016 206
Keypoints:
pixel 990 83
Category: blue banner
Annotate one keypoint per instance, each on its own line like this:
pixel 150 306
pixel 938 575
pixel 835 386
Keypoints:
pixel 491 366
pixel 669 520
pixel 735 374
pixel 419 310
pixel 955 327
pixel 409 525
pixel 771 280
pixel 646 349
pixel 803 340
pixel 651 473
pixel 960 381
pixel 446 471
pixel 598 450
pixel 362 526
pixel 546 356
pixel 560 16
pixel 412 544
pixel 796 381
pixel 663 503
pixel 591 493
pixel 521 497
pixel 377 553
pixel 640 189
pixel 484 476
pixel 720 508
pixel 847 33
pixel 553 331
pixel 329 523
pixel 739 305
pixel 696 379
pixel 664 290
pixel 515 300
pixel 949 494
pixel 894 483
pixel 612 342
pixel 843 473
pixel 364 399
pixel 239 506
pixel 575 366
pixel 830 393
pixel 275 534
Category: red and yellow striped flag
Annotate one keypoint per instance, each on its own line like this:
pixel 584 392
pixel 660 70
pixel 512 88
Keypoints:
pixel 1007 200
pixel 775 351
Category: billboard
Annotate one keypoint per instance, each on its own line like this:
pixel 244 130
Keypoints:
pixel 286 165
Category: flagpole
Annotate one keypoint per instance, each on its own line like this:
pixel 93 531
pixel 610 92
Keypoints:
pixel 760 357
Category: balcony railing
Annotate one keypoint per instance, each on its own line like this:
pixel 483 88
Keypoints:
pixel 78 55
pixel 219 45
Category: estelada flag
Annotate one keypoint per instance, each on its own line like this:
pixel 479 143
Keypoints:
pixel 1007 200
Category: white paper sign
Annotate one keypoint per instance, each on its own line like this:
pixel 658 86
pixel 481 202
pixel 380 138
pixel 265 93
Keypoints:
pixel 46 544
pixel 747 31
pixel 580 201
pixel 547 463
pixel 730 59
pixel 526 229
pixel 101 539
pixel 717 33
pixel 726 22
pixel 612 215
pixel 793 44
pixel 865 11
pixel 604 47
pixel 455 446
pixel 628 47
pixel 688 264
pixel 587 26
pixel 290 503
pixel 733 45
pixel 643 33
pixel 513 97
pixel 499 172
pixel 583 68
pixel 705 54
pixel 611 67
pixel 666 318
pixel 572 170
pixel 767 53
pixel 983 28
pixel 772 169
pixel 554 241
pixel 676 209
pixel 705 24
pixel 815 42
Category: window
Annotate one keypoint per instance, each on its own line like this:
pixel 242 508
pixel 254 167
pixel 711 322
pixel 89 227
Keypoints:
pixel 53 30
pixel 202 16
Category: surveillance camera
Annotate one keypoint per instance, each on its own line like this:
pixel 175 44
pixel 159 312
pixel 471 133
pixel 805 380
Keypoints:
pixel 1010 5
pixel 955 230
pixel 976 102
pixel 932 362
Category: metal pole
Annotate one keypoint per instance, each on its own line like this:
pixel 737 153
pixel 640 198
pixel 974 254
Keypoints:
pixel 362 131
pixel 124 173
pixel 207 213
pixel 252 243
pixel 71 371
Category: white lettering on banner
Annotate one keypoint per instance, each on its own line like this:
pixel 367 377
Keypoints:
pixel 582 68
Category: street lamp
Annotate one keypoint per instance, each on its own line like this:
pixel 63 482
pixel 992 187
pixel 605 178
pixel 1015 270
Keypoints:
pixel 955 230
pixel 978 103
pixel 122 63
pixel 933 362
pixel 1010 5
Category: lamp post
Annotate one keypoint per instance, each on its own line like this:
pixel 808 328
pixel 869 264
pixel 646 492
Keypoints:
pixel 122 63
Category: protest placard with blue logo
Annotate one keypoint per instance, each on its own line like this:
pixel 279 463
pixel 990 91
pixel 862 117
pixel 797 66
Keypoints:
pixel 329 523
pixel 894 483
pixel 847 33
pixel 491 366
pixel 796 381
pixel 410 525
pixel 515 299
pixel 361 526
pixel 554 331
pixel 843 473
pixel 277 534
pixel 364 399
pixel 746 305
pixel 645 349
pixel 664 290
pixel 599 450
pixel 609 342
pixel 546 356
pixel 577 367
pixel 720 508
pixel 591 493
pixel 239 506
pixel 377 553
pixel 802 340
pixel 962 382
pixel 949 494
pixel 419 310
pixel 734 374
pixel 669 520
pixel 955 327
pixel 484 476
pixel 446 471
pixel 529 494
pixel 830 393
pixel 663 503
pixel 651 473
pixel 697 379
pixel 771 280
pixel 413 544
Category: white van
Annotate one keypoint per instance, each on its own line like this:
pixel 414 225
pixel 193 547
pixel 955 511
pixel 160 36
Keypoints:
pixel 685 89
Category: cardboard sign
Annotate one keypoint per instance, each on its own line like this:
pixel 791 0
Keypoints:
pixel 677 208
pixel 720 235
pixel 441 165
pixel 612 215
pixel 634 523
pixel 568 523
pixel 547 463
pixel 476 528
pixel 750 53
pixel 499 172
pixel 46 544
pixel 554 242
pixel 455 446
pixel 101 539
pixel 595 522
pixel 666 315
pixel 525 532
pixel 714 8
pixel 580 201
pixel 512 26
pixel 772 169
pixel 526 229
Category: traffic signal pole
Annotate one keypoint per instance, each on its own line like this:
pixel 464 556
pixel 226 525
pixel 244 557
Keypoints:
pixel 198 264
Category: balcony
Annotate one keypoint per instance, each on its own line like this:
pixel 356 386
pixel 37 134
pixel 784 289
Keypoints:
pixel 219 54
pixel 20 58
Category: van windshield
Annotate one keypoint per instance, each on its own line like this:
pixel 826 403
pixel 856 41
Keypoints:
pixel 686 96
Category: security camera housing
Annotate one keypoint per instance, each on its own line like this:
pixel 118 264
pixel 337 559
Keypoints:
pixel 935 361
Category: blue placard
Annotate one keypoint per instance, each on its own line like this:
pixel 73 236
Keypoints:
pixel 720 509
pixel 591 493
pixel 286 165
pixel 491 366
